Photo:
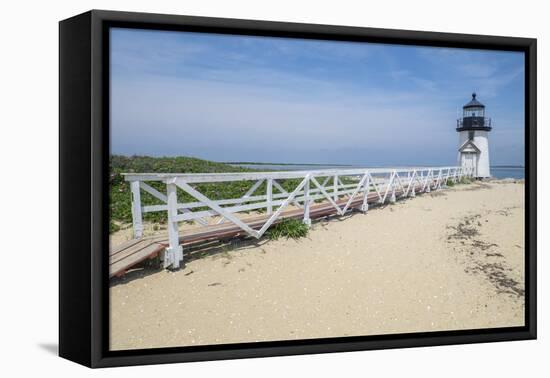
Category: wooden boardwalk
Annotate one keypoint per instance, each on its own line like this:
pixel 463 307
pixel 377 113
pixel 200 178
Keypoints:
pixel 127 255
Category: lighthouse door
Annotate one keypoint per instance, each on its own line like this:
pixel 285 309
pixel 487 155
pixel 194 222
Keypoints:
pixel 469 162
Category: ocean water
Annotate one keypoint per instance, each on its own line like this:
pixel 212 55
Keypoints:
pixel 508 172
pixel 497 172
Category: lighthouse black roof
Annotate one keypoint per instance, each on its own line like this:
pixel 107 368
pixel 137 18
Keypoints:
pixel 474 103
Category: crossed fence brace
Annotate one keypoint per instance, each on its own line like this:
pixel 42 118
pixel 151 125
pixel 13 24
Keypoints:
pixel 383 183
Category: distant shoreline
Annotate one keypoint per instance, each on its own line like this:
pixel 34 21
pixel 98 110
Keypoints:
pixel 292 164
pixel 301 164
pixel 339 165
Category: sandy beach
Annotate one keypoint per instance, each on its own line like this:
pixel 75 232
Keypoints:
pixel 446 260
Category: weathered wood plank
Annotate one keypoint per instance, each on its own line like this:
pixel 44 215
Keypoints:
pixel 121 266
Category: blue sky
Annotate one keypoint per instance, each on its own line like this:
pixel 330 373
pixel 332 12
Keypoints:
pixel 240 98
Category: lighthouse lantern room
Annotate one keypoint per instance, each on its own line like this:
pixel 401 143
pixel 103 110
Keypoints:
pixel 473 143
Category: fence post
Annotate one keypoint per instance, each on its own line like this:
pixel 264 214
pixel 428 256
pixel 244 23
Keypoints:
pixel 174 253
pixel 366 186
pixel 392 198
pixel 269 196
pixel 307 221
pixel 429 175
pixel 412 184
pixel 335 188
pixel 137 223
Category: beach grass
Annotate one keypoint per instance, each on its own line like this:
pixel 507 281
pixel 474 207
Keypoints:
pixel 288 228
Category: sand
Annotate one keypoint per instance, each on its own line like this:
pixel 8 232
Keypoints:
pixel 449 260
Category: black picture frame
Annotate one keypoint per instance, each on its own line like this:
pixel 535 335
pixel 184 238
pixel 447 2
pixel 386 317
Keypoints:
pixel 83 181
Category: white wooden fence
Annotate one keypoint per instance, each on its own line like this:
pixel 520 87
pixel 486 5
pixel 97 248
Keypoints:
pixel 339 187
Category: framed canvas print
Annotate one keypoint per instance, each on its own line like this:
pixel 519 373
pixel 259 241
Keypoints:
pixel 234 188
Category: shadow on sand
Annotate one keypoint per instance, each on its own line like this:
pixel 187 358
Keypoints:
pixel 213 249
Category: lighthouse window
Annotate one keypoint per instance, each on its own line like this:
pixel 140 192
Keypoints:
pixel 470 135
pixel 475 112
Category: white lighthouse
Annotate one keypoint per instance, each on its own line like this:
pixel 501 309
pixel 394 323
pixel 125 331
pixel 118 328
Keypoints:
pixel 473 139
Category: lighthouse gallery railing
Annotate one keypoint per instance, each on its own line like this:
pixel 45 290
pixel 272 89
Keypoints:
pixel 341 188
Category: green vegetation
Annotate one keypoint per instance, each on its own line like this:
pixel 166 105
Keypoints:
pixel 113 227
pixel 464 180
pixel 289 228
pixel 121 197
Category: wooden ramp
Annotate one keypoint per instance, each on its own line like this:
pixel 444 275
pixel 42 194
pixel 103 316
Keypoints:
pixel 125 256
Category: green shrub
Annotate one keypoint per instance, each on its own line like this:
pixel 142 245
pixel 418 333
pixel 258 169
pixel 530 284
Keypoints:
pixel 113 227
pixel 121 196
pixel 289 228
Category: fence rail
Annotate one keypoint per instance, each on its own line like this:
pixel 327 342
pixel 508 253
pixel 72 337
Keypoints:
pixel 339 188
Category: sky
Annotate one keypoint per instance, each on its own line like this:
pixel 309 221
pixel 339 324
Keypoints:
pixel 281 100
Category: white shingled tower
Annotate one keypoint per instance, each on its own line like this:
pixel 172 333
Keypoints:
pixel 473 139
